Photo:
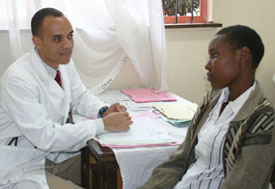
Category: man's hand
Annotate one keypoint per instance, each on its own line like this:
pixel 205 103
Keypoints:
pixel 115 108
pixel 117 121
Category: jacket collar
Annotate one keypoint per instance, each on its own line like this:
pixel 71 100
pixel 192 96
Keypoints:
pixel 248 106
pixel 42 73
pixel 37 64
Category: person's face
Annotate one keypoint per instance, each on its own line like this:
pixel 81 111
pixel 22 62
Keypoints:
pixel 223 65
pixel 55 41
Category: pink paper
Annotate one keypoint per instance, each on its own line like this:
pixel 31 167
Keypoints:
pixel 148 95
pixel 139 145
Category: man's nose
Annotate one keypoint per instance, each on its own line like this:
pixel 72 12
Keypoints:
pixel 68 43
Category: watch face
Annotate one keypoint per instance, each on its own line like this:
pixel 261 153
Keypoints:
pixel 102 110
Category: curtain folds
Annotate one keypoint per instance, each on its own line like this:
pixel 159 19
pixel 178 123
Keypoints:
pixel 14 32
pixel 141 34
pixel 107 33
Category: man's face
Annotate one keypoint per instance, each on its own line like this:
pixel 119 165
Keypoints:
pixel 223 65
pixel 55 41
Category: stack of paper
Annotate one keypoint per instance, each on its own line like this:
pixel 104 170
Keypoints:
pixel 179 114
pixel 179 122
pixel 143 132
pixel 148 95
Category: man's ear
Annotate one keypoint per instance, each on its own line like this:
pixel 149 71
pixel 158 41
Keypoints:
pixel 36 41
pixel 244 54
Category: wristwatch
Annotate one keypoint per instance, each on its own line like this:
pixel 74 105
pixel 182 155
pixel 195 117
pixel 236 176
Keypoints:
pixel 101 111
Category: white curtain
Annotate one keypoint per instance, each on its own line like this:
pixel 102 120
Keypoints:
pixel 141 34
pixel 107 33
pixel 97 53
pixel 16 16
pixel 13 24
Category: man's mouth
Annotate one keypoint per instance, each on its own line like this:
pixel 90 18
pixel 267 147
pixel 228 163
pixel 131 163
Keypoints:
pixel 66 53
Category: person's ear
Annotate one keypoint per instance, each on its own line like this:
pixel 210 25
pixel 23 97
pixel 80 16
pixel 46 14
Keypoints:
pixel 36 41
pixel 244 54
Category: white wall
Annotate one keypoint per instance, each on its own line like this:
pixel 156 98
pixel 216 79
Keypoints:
pixel 187 49
pixel 187 55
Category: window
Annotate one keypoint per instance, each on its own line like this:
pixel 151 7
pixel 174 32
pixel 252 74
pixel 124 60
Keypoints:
pixel 184 11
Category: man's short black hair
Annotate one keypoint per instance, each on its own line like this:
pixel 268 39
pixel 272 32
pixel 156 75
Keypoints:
pixel 239 36
pixel 38 18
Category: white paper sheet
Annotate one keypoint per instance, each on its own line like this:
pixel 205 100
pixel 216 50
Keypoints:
pixel 142 131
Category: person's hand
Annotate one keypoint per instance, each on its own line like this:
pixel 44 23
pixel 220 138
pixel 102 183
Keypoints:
pixel 117 121
pixel 115 108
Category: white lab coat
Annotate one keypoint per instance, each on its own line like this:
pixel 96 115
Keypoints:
pixel 34 108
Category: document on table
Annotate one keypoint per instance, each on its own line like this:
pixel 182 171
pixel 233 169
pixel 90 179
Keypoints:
pixel 148 95
pixel 184 111
pixel 143 131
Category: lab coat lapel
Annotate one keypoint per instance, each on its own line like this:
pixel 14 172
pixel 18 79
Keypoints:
pixel 47 81
pixel 37 65
pixel 41 72
pixel 66 89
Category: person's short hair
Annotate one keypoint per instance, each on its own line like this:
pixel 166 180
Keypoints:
pixel 239 36
pixel 38 18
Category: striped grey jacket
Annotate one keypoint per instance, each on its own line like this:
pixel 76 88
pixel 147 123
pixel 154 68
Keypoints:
pixel 248 152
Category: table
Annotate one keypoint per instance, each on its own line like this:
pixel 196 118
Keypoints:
pixel 100 169
pixel 103 167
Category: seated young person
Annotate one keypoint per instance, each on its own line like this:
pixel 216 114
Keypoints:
pixel 230 142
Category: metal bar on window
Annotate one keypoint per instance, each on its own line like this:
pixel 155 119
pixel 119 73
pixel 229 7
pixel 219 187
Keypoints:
pixel 177 6
pixel 192 9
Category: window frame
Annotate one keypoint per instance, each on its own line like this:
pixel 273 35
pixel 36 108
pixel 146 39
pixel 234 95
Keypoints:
pixel 188 19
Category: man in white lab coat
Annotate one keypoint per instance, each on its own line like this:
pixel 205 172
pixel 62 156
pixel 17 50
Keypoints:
pixel 34 107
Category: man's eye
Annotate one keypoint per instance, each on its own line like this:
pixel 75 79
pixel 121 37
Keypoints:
pixel 70 36
pixel 57 39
